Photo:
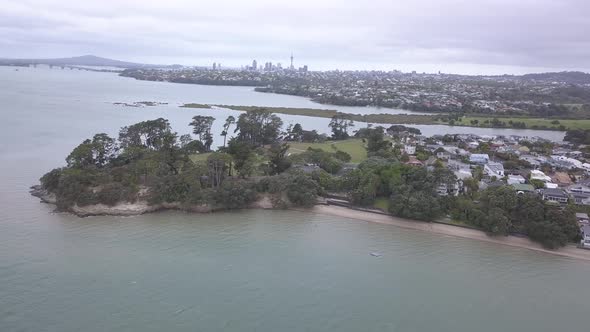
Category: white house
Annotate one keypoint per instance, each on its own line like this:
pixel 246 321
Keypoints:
pixel 567 162
pixel 410 149
pixel 539 175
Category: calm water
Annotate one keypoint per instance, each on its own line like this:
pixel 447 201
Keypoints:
pixel 246 271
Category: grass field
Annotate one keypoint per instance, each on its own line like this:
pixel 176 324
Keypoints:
pixel 417 119
pixel 355 147
pixel 530 122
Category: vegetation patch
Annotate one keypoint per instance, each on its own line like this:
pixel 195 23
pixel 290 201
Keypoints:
pixel 354 147
pixel 195 105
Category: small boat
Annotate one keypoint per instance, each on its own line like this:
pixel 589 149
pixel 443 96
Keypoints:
pixel 376 254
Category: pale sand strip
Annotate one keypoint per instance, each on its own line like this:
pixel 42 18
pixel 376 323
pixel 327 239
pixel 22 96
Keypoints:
pixel 568 251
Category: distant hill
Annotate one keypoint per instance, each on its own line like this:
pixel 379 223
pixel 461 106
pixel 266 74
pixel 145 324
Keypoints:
pixel 572 77
pixel 85 60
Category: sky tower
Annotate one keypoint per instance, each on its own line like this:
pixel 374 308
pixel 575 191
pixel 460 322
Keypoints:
pixel 292 68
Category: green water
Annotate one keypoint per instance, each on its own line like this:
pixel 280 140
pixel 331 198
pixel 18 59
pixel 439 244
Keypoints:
pixel 237 271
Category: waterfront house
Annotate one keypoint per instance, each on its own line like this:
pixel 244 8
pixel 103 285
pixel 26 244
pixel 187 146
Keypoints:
pixel 555 195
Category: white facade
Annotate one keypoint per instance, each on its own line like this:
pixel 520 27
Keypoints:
pixel 410 149
pixel 539 175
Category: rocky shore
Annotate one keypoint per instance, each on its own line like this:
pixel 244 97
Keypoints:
pixel 135 208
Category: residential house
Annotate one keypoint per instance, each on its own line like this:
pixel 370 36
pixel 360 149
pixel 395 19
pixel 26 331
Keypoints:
pixel 562 179
pixel 516 179
pixel 457 165
pixel 585 242
pixel 565 162
pixel 443 155
pixel 479 158
pixel 534 161
pixel 448 190
pixel 539 175
pixel 555 195
pixel 494 169
pixel 580 198
pixel 583 218
pixel 524 149
pixel 413 161
pixel 410 149
pixel 560 151
pixel 523 188
pixel 579 187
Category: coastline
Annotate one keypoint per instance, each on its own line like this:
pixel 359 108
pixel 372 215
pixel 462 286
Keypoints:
pixel 264 203
pixel 138 207
pixel 569 251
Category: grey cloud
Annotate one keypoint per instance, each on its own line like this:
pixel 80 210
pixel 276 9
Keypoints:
pixel 353 34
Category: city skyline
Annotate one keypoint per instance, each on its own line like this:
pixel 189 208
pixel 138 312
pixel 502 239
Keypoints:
pixel 452 36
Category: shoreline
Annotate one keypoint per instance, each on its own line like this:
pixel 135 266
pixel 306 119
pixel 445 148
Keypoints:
pixel 569 251
pixel 264 203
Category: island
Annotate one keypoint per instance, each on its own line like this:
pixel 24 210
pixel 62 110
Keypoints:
pixel 500 185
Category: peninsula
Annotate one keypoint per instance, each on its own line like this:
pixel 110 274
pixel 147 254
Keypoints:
pixel 456 179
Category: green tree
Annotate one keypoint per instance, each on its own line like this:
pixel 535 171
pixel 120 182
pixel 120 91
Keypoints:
pixel 496 222
pixel 277 155
pixel 340 125
pixel 151 134
pixel 228 122
pixel 217 164
pixel 296 133
pixel 243 156
pixel 202 128
pixel 376 140
pixel 259 127
pixel 97 152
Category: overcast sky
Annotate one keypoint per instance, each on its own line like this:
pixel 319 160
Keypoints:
pixel 459 36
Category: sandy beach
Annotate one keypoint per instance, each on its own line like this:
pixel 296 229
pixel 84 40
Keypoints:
pixel 568 251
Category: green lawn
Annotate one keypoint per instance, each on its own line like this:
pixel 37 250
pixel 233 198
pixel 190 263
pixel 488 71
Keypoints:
pixel 355 147
pixel 530 122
